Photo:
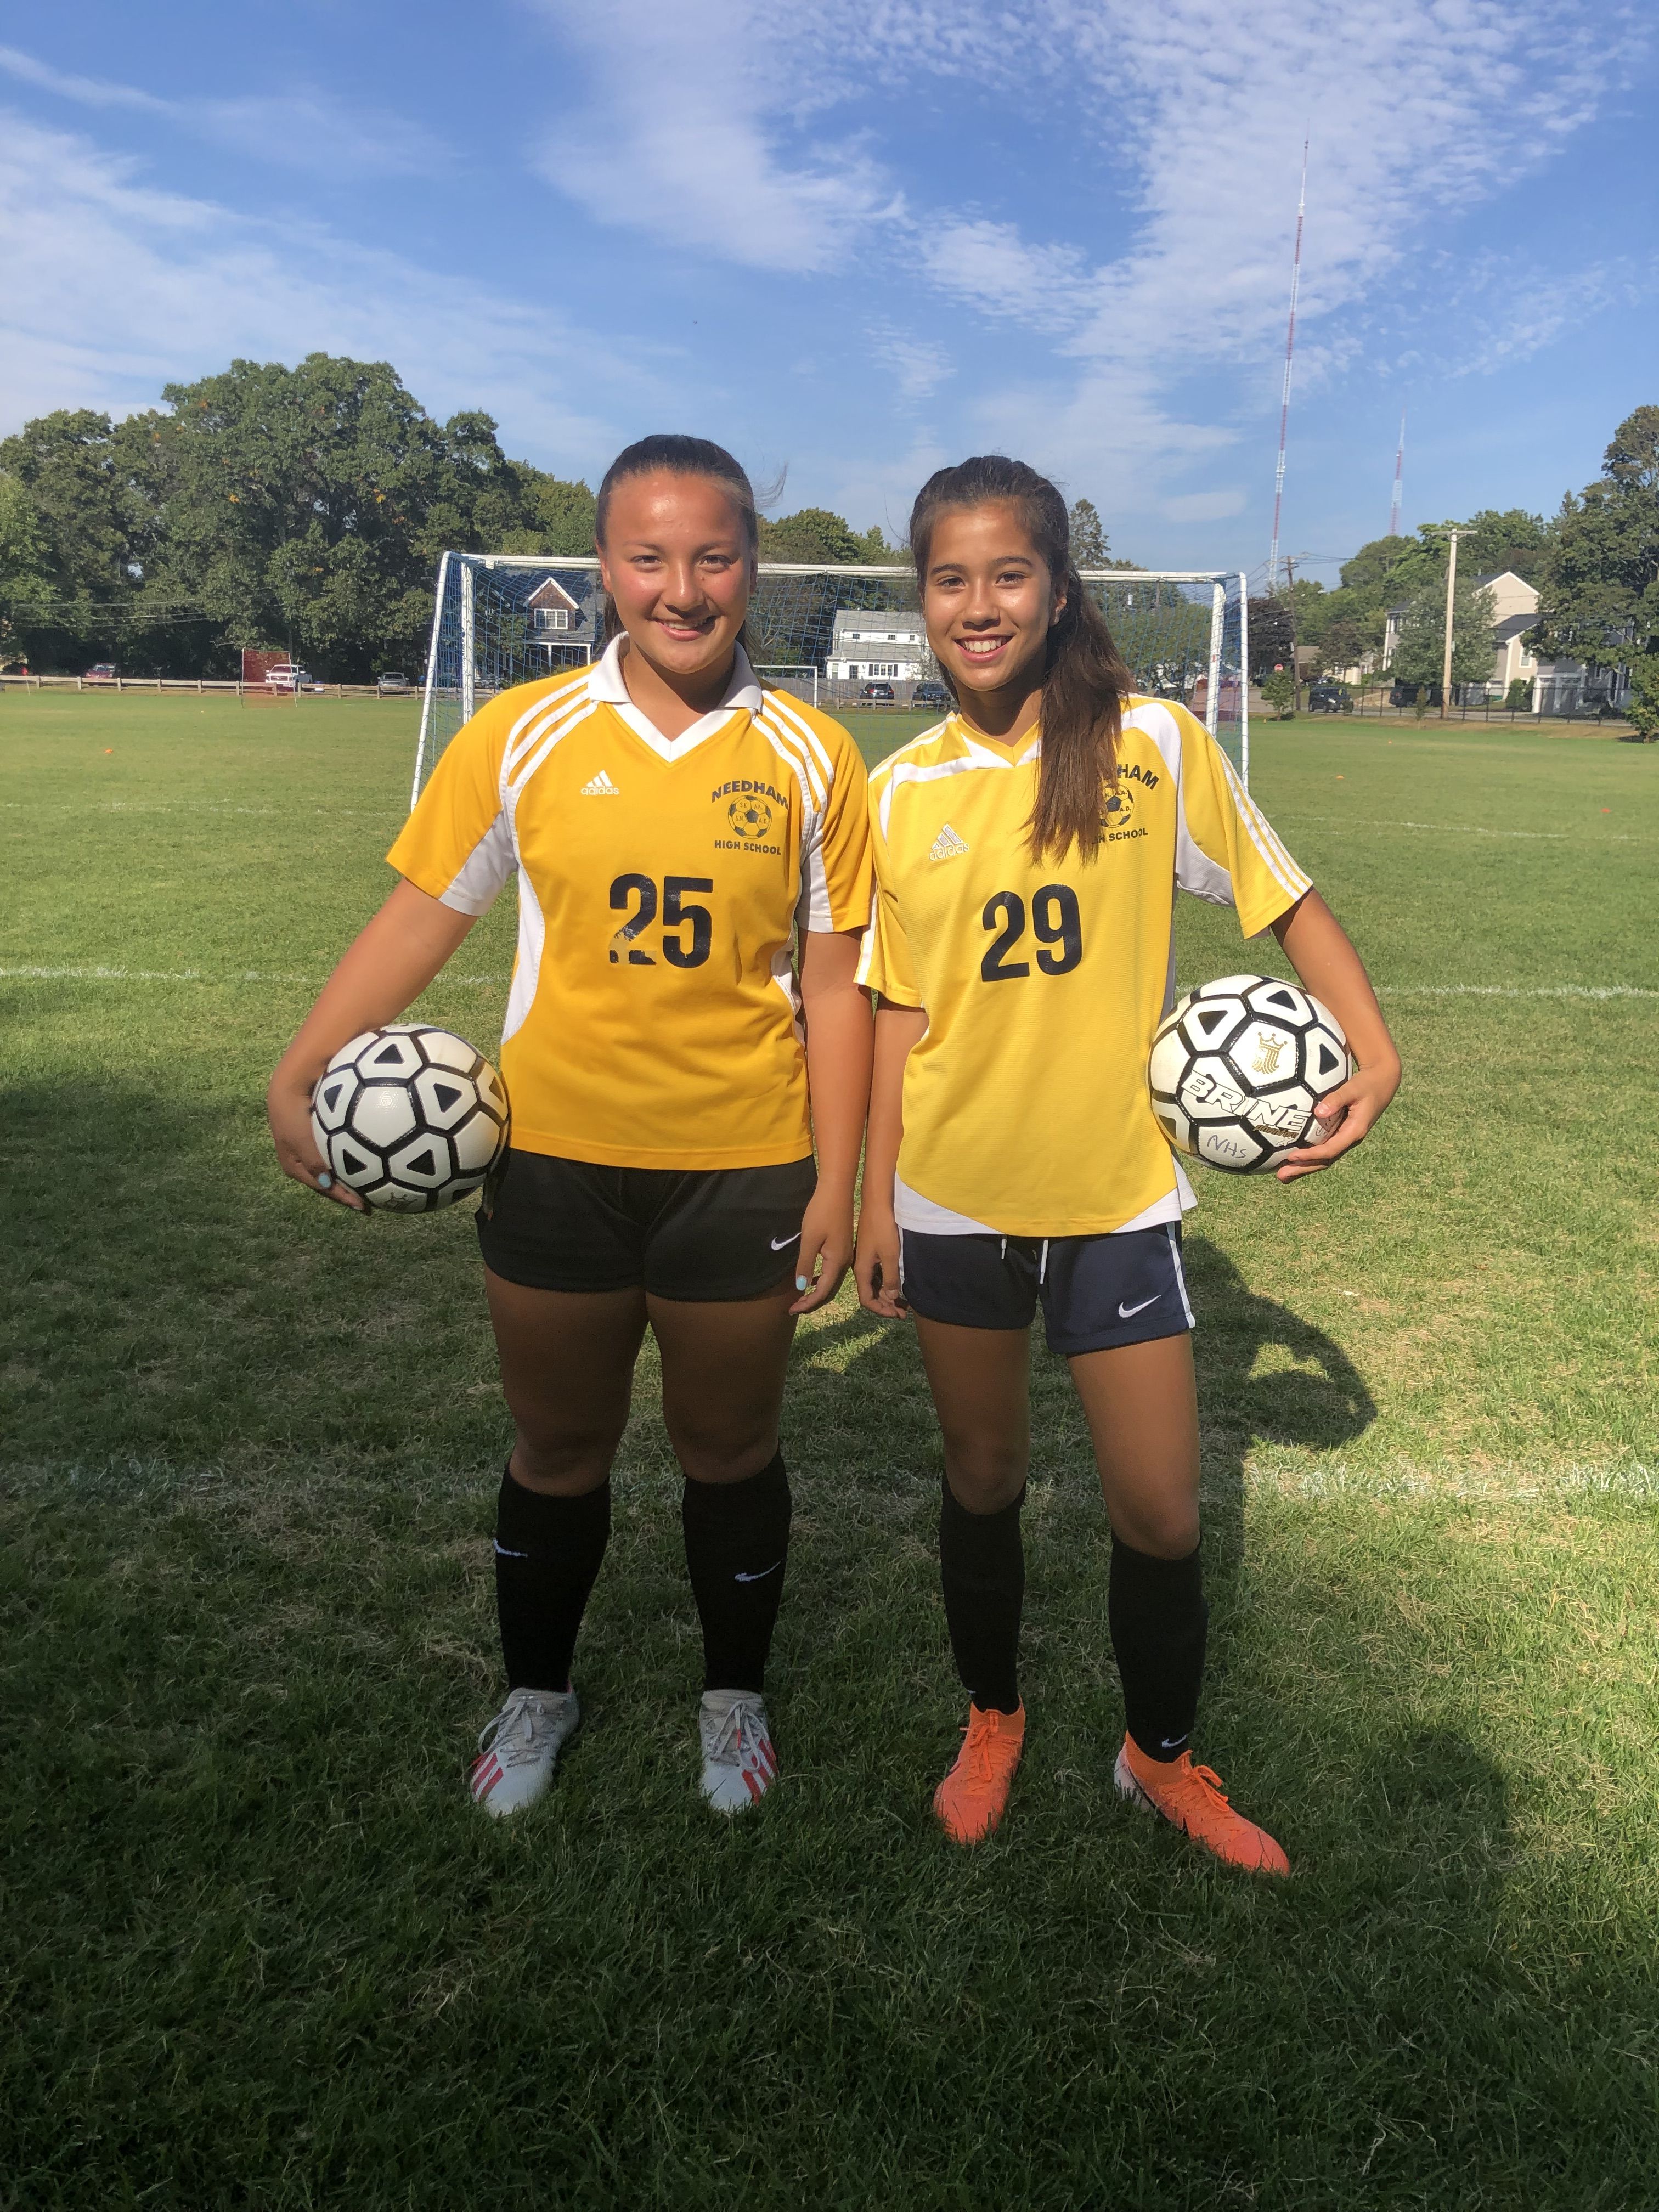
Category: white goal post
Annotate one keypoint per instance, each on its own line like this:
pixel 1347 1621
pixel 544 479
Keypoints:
pixel 845 638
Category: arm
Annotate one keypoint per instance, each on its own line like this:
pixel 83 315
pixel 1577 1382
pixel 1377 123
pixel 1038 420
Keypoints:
pixel 388 966
pixel 1317 947
pixel 838 1044
pixel 876 1267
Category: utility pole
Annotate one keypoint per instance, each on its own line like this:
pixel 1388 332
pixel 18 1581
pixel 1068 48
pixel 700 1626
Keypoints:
pixel 1289 355
pixel 1446 660
pixel 1295 665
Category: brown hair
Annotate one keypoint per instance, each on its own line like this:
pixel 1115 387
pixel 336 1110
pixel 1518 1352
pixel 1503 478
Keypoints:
pixel 681 457
pixel 1084 677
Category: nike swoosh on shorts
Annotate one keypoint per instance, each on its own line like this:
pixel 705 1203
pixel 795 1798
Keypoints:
pixel 1129 1313
pixel 782 1243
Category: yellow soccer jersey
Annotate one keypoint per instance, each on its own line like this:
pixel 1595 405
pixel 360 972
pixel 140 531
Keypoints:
pixel 1026 1106
pixel 654 1016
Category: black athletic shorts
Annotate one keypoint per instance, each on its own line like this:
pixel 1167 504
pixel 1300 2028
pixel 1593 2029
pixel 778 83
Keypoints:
pixel 1097 1292
pixel 713 1233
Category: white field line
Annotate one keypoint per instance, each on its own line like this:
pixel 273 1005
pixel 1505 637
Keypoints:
pixel 1450 829
pixel 190 976
pixel 1510 1484
pixel 93 975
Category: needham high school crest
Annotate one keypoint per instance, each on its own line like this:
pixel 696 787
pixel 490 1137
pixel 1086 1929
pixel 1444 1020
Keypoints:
pixel 1117 812
pixel 756 815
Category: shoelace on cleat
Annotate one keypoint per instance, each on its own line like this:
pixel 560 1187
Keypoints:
pixel 511 1734
pixel 739 1733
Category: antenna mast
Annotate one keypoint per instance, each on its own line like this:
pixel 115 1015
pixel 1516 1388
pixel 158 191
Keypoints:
pixel 1399 466
pixel 1290 350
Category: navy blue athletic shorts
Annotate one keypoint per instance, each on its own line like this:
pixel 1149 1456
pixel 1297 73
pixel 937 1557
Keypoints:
pixel 1095 1292
pixel 693 1233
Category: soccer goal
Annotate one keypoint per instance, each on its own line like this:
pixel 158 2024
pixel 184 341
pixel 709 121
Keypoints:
pixel 845 638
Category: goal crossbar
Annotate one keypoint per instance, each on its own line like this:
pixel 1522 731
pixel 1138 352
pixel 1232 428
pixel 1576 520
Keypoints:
pixel 499 619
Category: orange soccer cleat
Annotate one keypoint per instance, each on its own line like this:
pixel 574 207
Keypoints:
pixel 973 1794
pixel 1191 1798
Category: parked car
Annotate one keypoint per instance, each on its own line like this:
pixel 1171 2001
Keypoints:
pixel 930 694
pixel 101 672
pixel 877 695
pixel 1329 698
pixel 288 675
pixel 391 681
pixel 1406 694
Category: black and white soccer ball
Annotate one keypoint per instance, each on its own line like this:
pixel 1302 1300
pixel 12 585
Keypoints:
pixel 409 1118
pixel 1238 1068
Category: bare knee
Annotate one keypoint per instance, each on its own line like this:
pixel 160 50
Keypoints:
pixel 1162 1531
pixel 985 1476
pixel 563 1462
pixel 715 1452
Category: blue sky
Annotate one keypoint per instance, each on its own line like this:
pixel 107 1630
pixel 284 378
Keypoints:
pixel 864 237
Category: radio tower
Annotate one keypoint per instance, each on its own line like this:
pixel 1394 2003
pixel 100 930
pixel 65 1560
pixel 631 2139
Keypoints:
pixel 1284 403
pixel 1398 467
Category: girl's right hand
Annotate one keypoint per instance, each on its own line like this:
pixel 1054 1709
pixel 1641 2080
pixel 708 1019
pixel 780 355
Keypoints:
pixel 876 1264
pixel 287 1109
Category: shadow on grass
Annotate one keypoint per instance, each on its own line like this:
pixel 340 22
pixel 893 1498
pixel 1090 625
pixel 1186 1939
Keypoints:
pixel 1310 1394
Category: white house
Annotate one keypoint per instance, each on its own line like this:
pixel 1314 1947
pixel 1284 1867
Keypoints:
pixel 880 643
pixel 557 623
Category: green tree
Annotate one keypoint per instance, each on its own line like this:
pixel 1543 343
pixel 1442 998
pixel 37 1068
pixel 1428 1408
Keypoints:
pixel 1599 589
pixel 812 533
pixel 22 561
pixel 1090 548
pixel 1420 648
pixel 1643 708
pixel 1491 542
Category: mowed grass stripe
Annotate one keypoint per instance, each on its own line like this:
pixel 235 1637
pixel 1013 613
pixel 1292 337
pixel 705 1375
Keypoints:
pixel 258 1950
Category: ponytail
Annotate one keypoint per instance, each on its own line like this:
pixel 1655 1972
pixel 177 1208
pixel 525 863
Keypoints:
pixel 1084 677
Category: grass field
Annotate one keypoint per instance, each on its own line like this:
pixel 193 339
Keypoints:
pixel 256 1947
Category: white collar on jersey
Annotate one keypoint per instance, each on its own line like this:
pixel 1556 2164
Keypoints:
pixel 606 685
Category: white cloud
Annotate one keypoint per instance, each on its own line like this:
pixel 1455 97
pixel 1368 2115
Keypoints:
pixel 915 368
pixel 300 129
pixel 113 290
pixel 1198 107
pixel 992 267
pixel 681 133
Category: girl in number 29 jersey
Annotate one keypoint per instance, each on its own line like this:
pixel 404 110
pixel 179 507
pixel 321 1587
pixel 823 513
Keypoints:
pixel 692 859
pixel 1027 854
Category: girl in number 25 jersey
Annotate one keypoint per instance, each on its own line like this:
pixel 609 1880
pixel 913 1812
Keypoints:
pixel 683 1022
pixel 1027 854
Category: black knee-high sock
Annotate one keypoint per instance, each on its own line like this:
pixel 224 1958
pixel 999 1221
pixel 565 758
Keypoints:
pixel 982 1567
pixel 736 1539
pixel 547 1554
pixel 1159 1621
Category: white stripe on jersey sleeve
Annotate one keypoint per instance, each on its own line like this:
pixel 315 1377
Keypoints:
pixel 476 884
pixel 546 734
pixel 783 740
pixel 779 704
pixel 1284 870
pixel 867 950
pixel 903 771
pixel 521 737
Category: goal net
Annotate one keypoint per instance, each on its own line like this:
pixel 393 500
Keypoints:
pixel 845 638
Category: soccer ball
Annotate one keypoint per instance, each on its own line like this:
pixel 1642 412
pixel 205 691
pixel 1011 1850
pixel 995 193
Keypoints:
pixel 409 1118
pixel 1238 1068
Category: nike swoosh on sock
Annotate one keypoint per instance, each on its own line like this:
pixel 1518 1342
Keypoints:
pixel 762 1576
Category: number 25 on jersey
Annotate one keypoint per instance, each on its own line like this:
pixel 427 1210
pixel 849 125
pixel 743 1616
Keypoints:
pixel 636 896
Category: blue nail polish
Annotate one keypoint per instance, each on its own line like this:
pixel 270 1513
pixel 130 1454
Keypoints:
pixel 801 1283
pixel 324 1180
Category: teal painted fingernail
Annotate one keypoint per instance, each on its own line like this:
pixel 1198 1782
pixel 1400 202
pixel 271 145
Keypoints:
pixel 801 1283
pixel 324 1180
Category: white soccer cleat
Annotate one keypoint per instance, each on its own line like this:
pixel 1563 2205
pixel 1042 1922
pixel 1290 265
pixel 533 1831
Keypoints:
pixel 520 1748
pixel 738 1763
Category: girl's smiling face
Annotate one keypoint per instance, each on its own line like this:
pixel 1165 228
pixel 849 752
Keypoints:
pixel 989 602
pixel 676 563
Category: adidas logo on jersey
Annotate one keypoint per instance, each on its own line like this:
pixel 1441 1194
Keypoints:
pixel 947 844
pixel 600 787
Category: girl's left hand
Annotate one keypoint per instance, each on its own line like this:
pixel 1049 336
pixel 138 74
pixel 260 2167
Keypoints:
pixel 1349 1113
pixel 826 1248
